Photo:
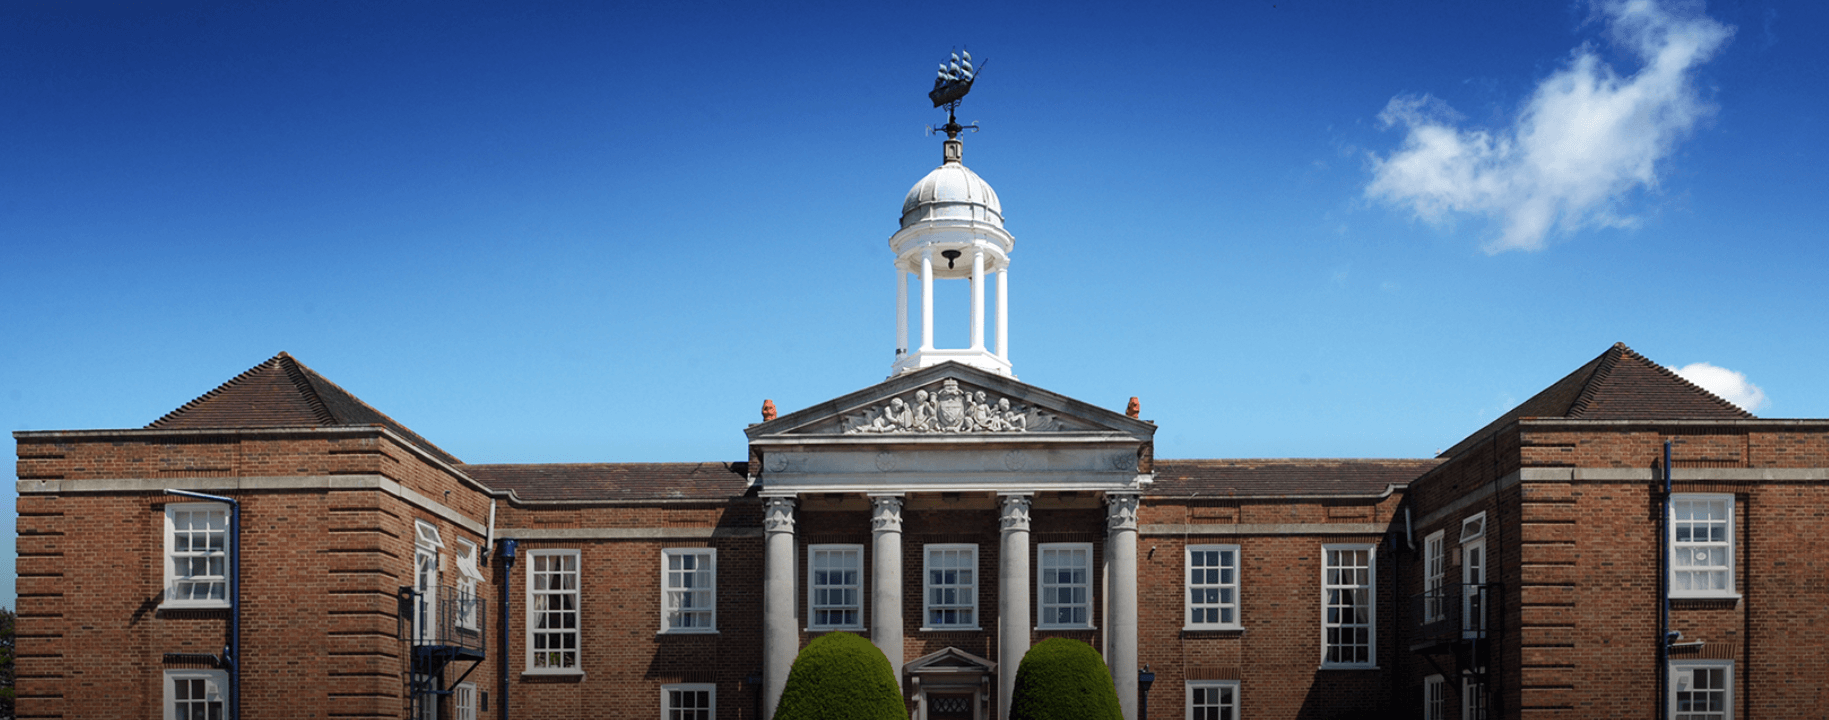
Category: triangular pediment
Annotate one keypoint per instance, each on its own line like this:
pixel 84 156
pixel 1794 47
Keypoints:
pixel 951 400
pixel 949 660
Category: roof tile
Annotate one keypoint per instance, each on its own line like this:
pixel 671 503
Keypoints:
pixel 282 392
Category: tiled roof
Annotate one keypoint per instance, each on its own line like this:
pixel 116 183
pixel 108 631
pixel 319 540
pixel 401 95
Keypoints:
pixel 616 481
pixel 282 392
pixel 1618 385
pixel 1258 478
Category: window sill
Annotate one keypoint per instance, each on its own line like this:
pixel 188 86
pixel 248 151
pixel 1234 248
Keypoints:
pixel 1326 666
pixel 960 628
pixel 1705 596
pixel 1066 627
pixel 1726 602
pixel 166 607
pixel 1239 629
pixel 552 676
pixel 687 632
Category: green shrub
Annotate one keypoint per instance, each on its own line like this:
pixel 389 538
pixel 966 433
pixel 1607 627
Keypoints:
pixel 1062 679
pixel 841 676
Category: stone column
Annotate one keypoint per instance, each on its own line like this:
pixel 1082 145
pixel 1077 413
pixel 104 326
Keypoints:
pixel 1003 313
pixel 901 312
pixel 1013 580
pixel 927 299
pixel 977 298
pixel 780 626
pixel 886 579
pixel 1121 602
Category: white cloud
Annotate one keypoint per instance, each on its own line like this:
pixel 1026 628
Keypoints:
pixel 1731 386
pixel 1585 139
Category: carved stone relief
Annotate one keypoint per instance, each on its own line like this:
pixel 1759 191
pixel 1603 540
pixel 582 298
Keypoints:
pixel 948 409
pixel 1121 512
pixel 1015 515
pixel 778 514
pixel 886 514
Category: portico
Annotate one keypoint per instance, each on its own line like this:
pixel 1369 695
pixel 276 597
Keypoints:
pixel 1011 482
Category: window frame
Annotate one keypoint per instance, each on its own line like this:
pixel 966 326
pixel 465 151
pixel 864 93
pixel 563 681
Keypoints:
pixel 1191 685
pixel 1477 521
pixel 1042 585
pixel 1678 666
pixel 968 589
pixel 813 608
pixel 1435 575
pixel 1369 591
pixel 577 629
pixel 469 577
pixel 1435 697
pixel 1474 705
pixel 1731 545
pixel 708 558
pixel 216 679
pixel 167 598
pixel 666 699
pixel 1189 606
pixel 464 701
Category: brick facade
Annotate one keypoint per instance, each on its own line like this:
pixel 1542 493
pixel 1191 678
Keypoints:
pixel 1572 543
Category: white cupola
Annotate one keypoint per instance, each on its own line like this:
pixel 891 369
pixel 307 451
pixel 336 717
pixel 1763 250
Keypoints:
pixel 952 229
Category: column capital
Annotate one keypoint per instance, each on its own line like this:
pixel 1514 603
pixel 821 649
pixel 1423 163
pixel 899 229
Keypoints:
pixel 1015 513
pixel 778 514
pixel 1121 511
pixel 886 513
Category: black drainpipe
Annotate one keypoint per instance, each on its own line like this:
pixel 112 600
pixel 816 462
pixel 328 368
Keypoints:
pixel 501 661
pixel 232 653
pixel 1663 585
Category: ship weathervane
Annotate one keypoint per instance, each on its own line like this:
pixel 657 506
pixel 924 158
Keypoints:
pixel 954 81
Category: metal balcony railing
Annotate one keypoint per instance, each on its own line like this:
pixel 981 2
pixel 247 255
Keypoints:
pixel 448 616
pixel 1452 613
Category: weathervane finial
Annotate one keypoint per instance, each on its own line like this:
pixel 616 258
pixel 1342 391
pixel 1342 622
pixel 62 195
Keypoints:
pixel 954 81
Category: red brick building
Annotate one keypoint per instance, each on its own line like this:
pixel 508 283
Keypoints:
pixel 1519 571
pixel 278 548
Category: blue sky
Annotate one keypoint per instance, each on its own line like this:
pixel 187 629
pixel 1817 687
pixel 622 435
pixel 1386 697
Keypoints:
pixel 605 232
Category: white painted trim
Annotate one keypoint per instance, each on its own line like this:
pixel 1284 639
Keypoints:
pixel 1679 666
pixel 709 556
pixel 1238 604
pixel 528 613
pixel 1041 593
pixel 217 678
pixel 234 484
pixel 1371 560
pixel 927 599
pixel 1237 701
pixel 863 587
pixel 665 700
pixel 1733 547
pixel 661 533
pixel 171 569
pixel 1266 529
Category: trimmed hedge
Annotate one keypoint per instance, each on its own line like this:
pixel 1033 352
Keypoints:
pixel 840 676
pixel 1062 679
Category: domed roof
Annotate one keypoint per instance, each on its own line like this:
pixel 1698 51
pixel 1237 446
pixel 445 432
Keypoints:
pixel 952 191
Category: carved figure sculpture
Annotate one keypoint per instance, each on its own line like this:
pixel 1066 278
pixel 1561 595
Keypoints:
pixel 1135 408
pixel 768 410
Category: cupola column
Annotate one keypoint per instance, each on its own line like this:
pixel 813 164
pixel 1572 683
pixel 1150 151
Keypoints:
pixel 901 312
pixel 977 298
pixel 927 299
pixel 1003 314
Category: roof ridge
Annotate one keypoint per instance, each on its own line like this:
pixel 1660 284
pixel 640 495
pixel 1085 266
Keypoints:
pixel 1590 388
pixel 219 389
pixel 300 377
